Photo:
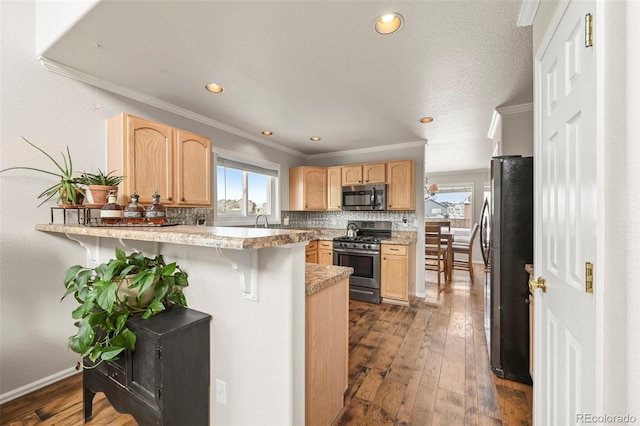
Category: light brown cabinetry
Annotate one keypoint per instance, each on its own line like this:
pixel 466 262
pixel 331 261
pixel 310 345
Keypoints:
pixel 334 188
pixel 154 156
pixel 374 173
pixel 311 252
pixel 325 252
pixel 401 185
pixel 397 272
pixel 307 188
pixel 361 174
pixel 327 353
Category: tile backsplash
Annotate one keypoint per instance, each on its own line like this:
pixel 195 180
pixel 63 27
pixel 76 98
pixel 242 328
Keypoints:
pixel 401 220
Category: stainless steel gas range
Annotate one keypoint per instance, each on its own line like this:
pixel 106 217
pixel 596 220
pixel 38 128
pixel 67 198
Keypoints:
pixel 362 253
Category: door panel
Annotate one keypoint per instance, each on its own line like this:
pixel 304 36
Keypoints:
pixel 565 219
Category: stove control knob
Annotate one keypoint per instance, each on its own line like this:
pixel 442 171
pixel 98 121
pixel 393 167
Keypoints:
pixel 368 246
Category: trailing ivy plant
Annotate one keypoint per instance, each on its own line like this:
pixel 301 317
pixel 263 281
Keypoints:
pixel 102 312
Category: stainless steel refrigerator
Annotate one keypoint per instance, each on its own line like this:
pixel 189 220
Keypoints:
pixel 510 248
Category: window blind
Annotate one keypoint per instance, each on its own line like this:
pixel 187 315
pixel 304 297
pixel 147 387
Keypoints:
pixel 239 165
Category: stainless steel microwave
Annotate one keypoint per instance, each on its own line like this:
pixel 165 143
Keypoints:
pixel 364 197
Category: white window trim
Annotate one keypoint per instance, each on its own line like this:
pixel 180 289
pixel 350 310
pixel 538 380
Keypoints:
pixel 219 220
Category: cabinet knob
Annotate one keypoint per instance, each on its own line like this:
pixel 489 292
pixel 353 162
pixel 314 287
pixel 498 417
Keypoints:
pixel 170 198
pixel 182 199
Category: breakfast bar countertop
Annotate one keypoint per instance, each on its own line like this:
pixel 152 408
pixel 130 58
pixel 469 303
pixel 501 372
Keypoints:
pixel 206 236
pixel 318 276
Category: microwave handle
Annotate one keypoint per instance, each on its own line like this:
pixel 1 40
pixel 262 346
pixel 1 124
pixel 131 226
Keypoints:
pixel 373 198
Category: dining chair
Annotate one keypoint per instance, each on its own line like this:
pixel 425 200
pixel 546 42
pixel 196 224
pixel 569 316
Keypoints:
pixel 465 249
pixel 435 252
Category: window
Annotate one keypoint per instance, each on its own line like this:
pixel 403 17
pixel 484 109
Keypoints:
pixel 453 202
pixel 245 187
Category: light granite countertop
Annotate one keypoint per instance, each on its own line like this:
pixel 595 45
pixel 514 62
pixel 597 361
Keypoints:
pixel 206 236
pixel 318 277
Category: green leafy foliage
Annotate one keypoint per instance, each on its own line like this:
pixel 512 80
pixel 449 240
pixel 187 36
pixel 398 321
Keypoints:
pixel 100 178
pixel 102 313
pixel 68 189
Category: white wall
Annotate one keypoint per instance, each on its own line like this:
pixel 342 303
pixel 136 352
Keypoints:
pixel 517 133
pixel 53 112
pixel 621 109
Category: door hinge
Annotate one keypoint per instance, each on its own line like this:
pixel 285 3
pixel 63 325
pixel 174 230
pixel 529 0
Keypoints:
pixel 159 352
pixel 588 30
pixel 589 277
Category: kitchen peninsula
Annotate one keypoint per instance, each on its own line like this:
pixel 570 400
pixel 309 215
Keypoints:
pixel 254 284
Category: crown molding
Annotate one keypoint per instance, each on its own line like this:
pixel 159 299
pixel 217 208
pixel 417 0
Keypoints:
pixel 368 150
pixel 515 109
pixel 528 11
pixel 91 80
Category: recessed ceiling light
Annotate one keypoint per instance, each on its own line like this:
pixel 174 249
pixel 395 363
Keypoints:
pixel 315 138
pixel 267 132
pixel 426 119
pixel 214 88
pixel 388 23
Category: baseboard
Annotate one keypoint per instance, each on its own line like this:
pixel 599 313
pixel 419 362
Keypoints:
pixel 38 384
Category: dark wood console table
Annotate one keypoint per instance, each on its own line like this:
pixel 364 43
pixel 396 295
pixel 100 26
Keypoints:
pixel 165 381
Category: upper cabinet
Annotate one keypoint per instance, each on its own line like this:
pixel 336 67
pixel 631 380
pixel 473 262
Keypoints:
pixel 374 173
pixel 307 188
pixel 334 188
pixel 362 174
pixel 401 185
pixel 153 156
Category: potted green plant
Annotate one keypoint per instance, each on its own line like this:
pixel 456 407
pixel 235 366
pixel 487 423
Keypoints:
pixel 68 189
pixel 105 301
pixel 100 184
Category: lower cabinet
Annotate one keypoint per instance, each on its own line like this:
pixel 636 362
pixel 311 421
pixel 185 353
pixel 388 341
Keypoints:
pixel 165 381
pixel 325 252
pixel 311 252
pixel 327 353
pixel 397 272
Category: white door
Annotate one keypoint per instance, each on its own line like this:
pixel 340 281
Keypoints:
pixel 565 223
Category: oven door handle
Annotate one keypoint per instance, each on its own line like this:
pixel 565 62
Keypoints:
pixel 355 290
pixel 354 251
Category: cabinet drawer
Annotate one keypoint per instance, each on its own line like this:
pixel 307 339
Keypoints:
pixel 395 249
pixel 313 245
pixel 117 374
pixel 326 244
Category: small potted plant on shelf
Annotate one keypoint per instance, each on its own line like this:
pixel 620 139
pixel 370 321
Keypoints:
pixel 100 184
pixel 112 292
pixel 68 189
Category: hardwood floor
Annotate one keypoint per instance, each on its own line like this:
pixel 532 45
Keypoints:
pixel 424 364
pixel 427 364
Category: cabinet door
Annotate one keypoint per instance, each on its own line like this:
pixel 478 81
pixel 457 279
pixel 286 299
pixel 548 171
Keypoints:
pixel 352 175
pixel 334 188
pixel 401 193
pixel 193 169
pixel 315 188
pixel 148 162
pixel 394 272
pixel 325 252
pixel 374 173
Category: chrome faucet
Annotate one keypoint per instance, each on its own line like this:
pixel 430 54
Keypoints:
pixel 266 222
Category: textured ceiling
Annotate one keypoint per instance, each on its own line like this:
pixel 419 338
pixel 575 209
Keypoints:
pixel 307 68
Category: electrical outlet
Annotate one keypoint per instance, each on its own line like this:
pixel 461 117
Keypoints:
pixel 221 392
